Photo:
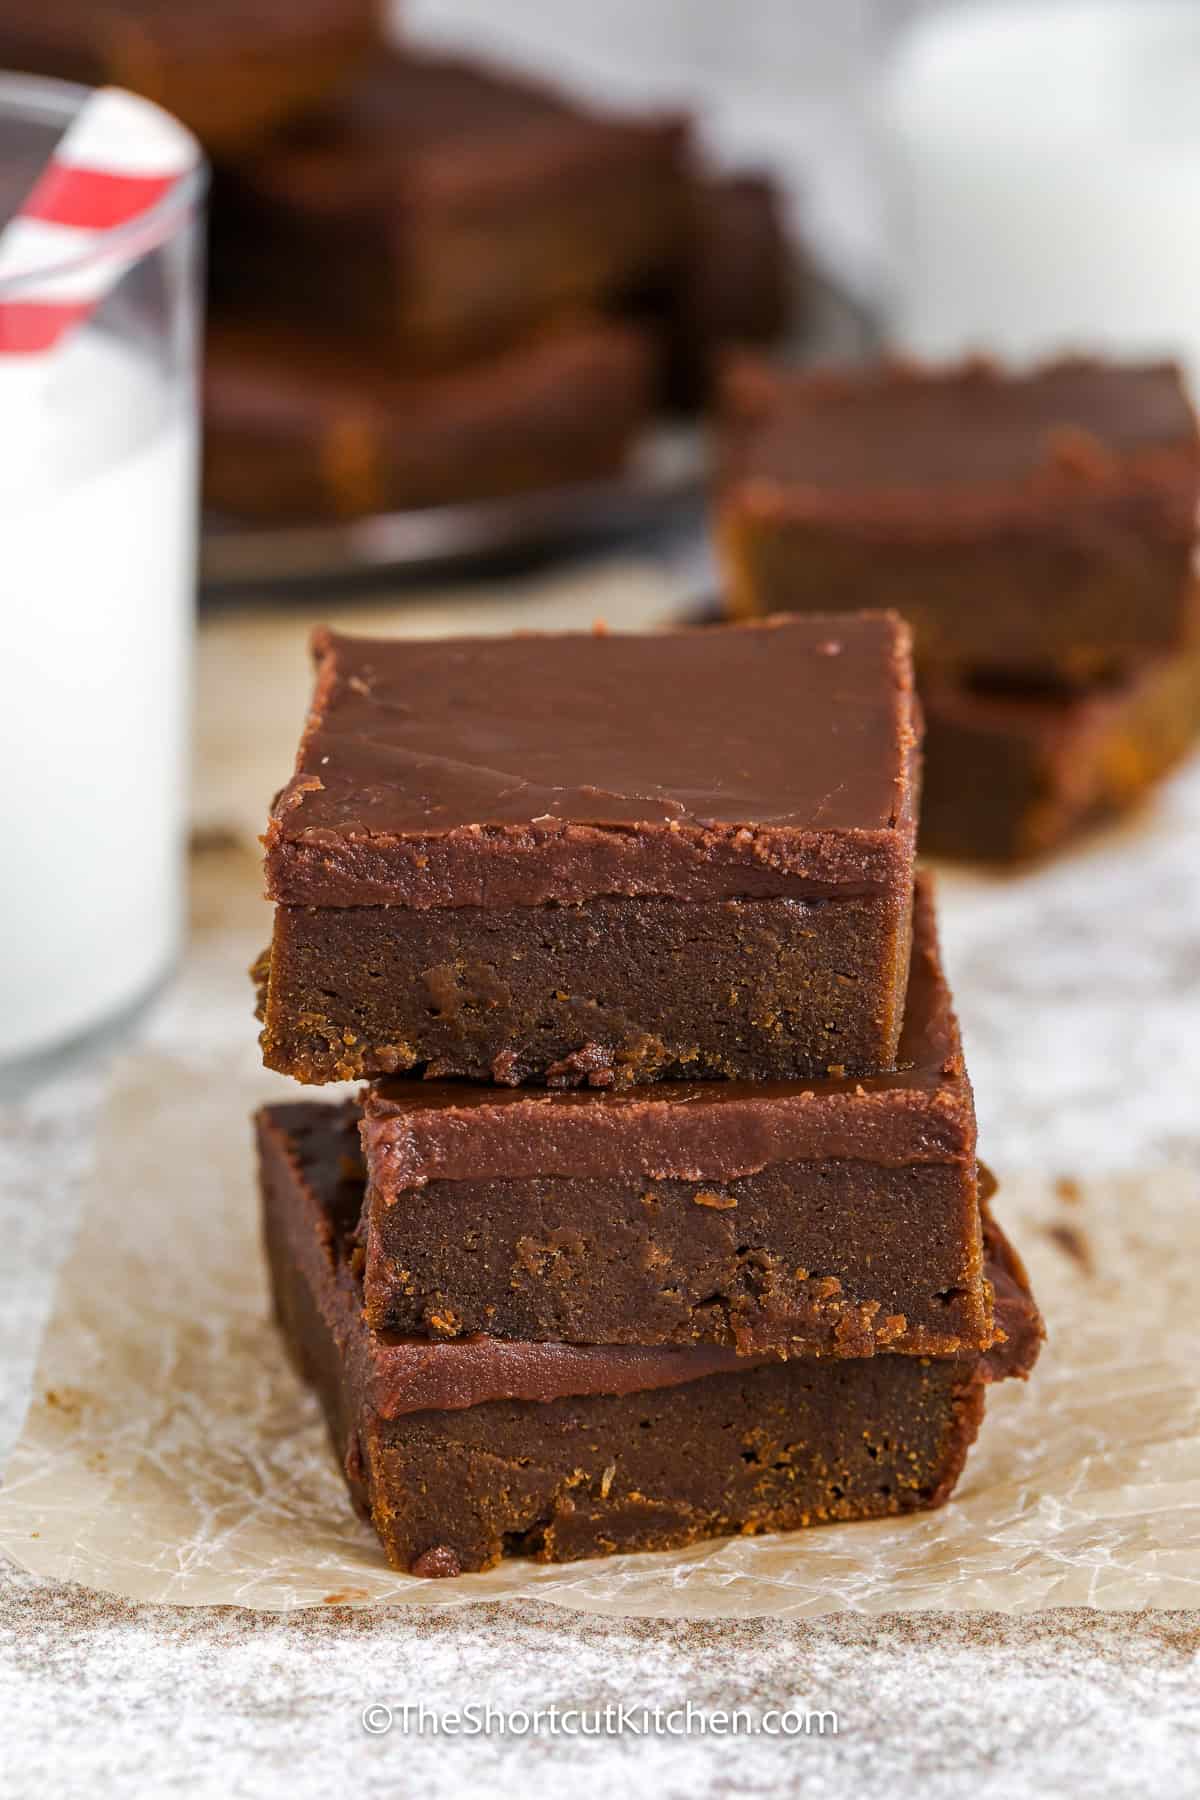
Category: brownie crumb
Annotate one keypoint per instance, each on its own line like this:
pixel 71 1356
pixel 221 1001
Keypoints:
pixel 1071 1241
pixel 591 1064
pixel 505 1069
pixel 437 1563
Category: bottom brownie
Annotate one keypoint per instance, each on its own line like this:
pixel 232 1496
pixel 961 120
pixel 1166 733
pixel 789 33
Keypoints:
pixel 297 429
pixel 462 1453
pixel 1012 773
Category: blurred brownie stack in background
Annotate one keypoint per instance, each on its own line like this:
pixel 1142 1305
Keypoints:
pixel 452 282
pixel 661 1217
pixel 441 244
pixel 231 70
pixel 432 280
pixel 1038 532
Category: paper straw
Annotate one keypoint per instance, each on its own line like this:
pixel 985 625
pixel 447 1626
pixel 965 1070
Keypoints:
pixel 117 159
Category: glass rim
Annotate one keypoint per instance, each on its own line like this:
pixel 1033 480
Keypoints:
pixel 42 100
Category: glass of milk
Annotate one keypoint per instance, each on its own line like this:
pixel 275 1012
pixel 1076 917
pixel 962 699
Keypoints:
pixel 98 474
pixel 1043 165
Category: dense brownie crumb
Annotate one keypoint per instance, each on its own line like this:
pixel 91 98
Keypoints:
pixel 837 1217
pixel 482 1450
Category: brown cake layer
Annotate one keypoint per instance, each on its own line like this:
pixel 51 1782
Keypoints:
pixel 609 992
pixel 462 1453
pixel 445 206
pixel 1013 772
pixel 597 858
pixel 825 1218
pixel 1032 524
pixel 298 429
pixel 231 71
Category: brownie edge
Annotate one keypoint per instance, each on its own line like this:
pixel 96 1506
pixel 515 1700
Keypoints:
pixel 1014 773
pixel 834 1217
pixel 594 858
pixel 630 1463
pixel 1039 523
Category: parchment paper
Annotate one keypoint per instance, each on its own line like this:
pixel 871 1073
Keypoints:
pixel 170 1454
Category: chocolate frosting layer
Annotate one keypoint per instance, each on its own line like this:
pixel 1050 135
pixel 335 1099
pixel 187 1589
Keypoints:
pixel 905 430
pixel 412 1375
pixel 319 1195
pixel 777 757
pixel 1017 1318
pixel 416 1132
pixel 434 127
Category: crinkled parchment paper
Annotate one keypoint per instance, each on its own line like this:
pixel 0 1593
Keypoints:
pixel 171 1455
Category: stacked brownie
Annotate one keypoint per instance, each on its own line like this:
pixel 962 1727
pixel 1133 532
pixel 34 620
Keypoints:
pixel 1037 531
pixel 433 279
pixel 661 1216
pixel 453 283
pixel 409 293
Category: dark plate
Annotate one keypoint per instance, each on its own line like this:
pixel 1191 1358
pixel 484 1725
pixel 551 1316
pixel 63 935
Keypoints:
pixel 666 471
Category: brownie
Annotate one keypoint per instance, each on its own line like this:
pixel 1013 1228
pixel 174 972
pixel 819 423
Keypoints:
pixel 296 430
pixel 1013 772
pixel 597 858
pixel 1034 524
pixel 735 285
pixel 461 1453
pixel 447 205
pixel 230 71
pixel 838 1217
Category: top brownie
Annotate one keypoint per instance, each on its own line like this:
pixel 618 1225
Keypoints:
pixel 775 758
pixel 601 859
pixel 1032 522
pixel 444 205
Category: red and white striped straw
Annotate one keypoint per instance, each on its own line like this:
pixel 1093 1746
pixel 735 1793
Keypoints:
pixel 117 159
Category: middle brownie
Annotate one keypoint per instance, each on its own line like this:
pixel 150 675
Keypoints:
pixel 598 858
pixel 836 1217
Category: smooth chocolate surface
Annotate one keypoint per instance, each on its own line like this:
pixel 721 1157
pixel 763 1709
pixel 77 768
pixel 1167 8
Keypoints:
pixel 460 1454
pixel 777 758
pixel 905 430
